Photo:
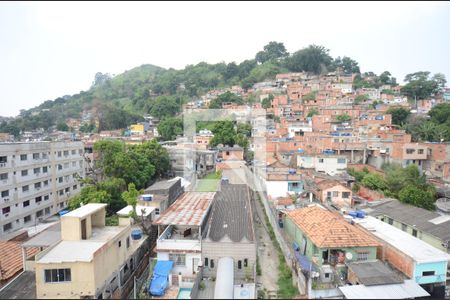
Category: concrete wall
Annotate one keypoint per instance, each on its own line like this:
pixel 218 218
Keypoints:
pixel 237 251
pixel 277 188
pixel 188 269
pixel 440 269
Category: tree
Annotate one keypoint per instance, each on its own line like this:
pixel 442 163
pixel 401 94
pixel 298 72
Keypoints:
pixel 399 115
pixel 313 59
pixel 386 78
pixel 440 114
pixel 347 64
pixel 227 97
pixel 312 113
pixel 361 98
pixel 272 51
pixel 100 79
pixel 224 133
pixel 164 106
pixel 156 156
pixel 170 128
pixel 418 197
pixel 343 118
pixel 374 182
pixel 421 86
pixel 62 127
pixel 244 129
pixel 267 102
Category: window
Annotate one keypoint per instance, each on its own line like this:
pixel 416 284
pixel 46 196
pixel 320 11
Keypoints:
pixel 5 193
pixel 228 152
pixel 428 273
pixel 47 210
pixel 245 263
pixel 128 242
pixel 7 227
pixel 80 151
pixel 327 275
pixel 3 176
pixel 420 151
pixel 390 221
pixel 44 169
pixel 74 187
pixel 206 261
pixel 404 226
pixel 239 264
pixel 156 211
pixel 120 244
pixel 60 179
pixel 212 263
pixel 36 155
pixel 178 259
pixel 362 256
pixel 74 164
pixel 3 159
pixel 345 195
pixel 59 153
pixel 60 167
pixel 73 152
pixel 410 151
pixel 23 157
pixel 414 232
pixel 36 170
pixel 27 219
pixel 24 172
pixel 46 197
pixel 57 275
pixel 46 183
pixel 66 152
pixel 44 155
pixel 341 160
pixel 39 213
pixel 67 189
pixel 26 203
pixel 6 210
pixel 37 185
pixel 38 199
pixel 66 165
pixel 321 160
pixel 335 194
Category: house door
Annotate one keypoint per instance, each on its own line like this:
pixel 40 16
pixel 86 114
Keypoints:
pixel 194 265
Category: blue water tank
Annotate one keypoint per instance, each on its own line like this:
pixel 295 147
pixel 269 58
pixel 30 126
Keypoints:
pixel 360 214
pixel 352 214
pixel 63 212
pixel 147 197
pixel 136 234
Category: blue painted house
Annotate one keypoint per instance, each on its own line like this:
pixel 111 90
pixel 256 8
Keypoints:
pixel 415 258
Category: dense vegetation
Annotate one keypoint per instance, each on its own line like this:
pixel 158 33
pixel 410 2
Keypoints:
pixel 405 184
pixel 121 165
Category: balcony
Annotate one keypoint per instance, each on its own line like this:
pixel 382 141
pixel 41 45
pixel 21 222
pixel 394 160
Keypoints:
pixel 179 238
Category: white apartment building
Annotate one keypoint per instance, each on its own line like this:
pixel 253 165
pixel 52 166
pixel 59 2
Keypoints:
pixel 36 181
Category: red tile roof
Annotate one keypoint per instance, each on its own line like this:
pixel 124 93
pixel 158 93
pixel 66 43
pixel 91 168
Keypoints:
pixel 11 261
pixel 329 230
pixel 189 209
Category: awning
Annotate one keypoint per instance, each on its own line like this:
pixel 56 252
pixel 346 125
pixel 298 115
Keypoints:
pixel 163 267
pixel 304 262
pixel 405 290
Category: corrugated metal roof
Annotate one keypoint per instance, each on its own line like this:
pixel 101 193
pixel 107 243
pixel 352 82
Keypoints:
pixel 189 209
pixel 408 289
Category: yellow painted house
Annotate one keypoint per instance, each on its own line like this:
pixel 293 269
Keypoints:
pixel 137 129
pixel 91 260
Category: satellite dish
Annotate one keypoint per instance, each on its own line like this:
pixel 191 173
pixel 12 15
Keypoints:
pixel 348 256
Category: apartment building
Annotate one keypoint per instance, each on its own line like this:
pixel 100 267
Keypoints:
pixel 36 181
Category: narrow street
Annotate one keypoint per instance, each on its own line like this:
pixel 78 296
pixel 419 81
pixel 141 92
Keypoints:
pixel 267 255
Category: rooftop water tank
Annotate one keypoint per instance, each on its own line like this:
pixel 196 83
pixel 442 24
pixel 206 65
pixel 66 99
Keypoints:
pixel 136 234
pixel 147 197
pixel 353 214
pixel 63 212
pixel 360 214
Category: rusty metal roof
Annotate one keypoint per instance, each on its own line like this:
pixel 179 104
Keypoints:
pixel 190 209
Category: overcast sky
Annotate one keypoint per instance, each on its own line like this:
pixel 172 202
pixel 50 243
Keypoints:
pixel 49 49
